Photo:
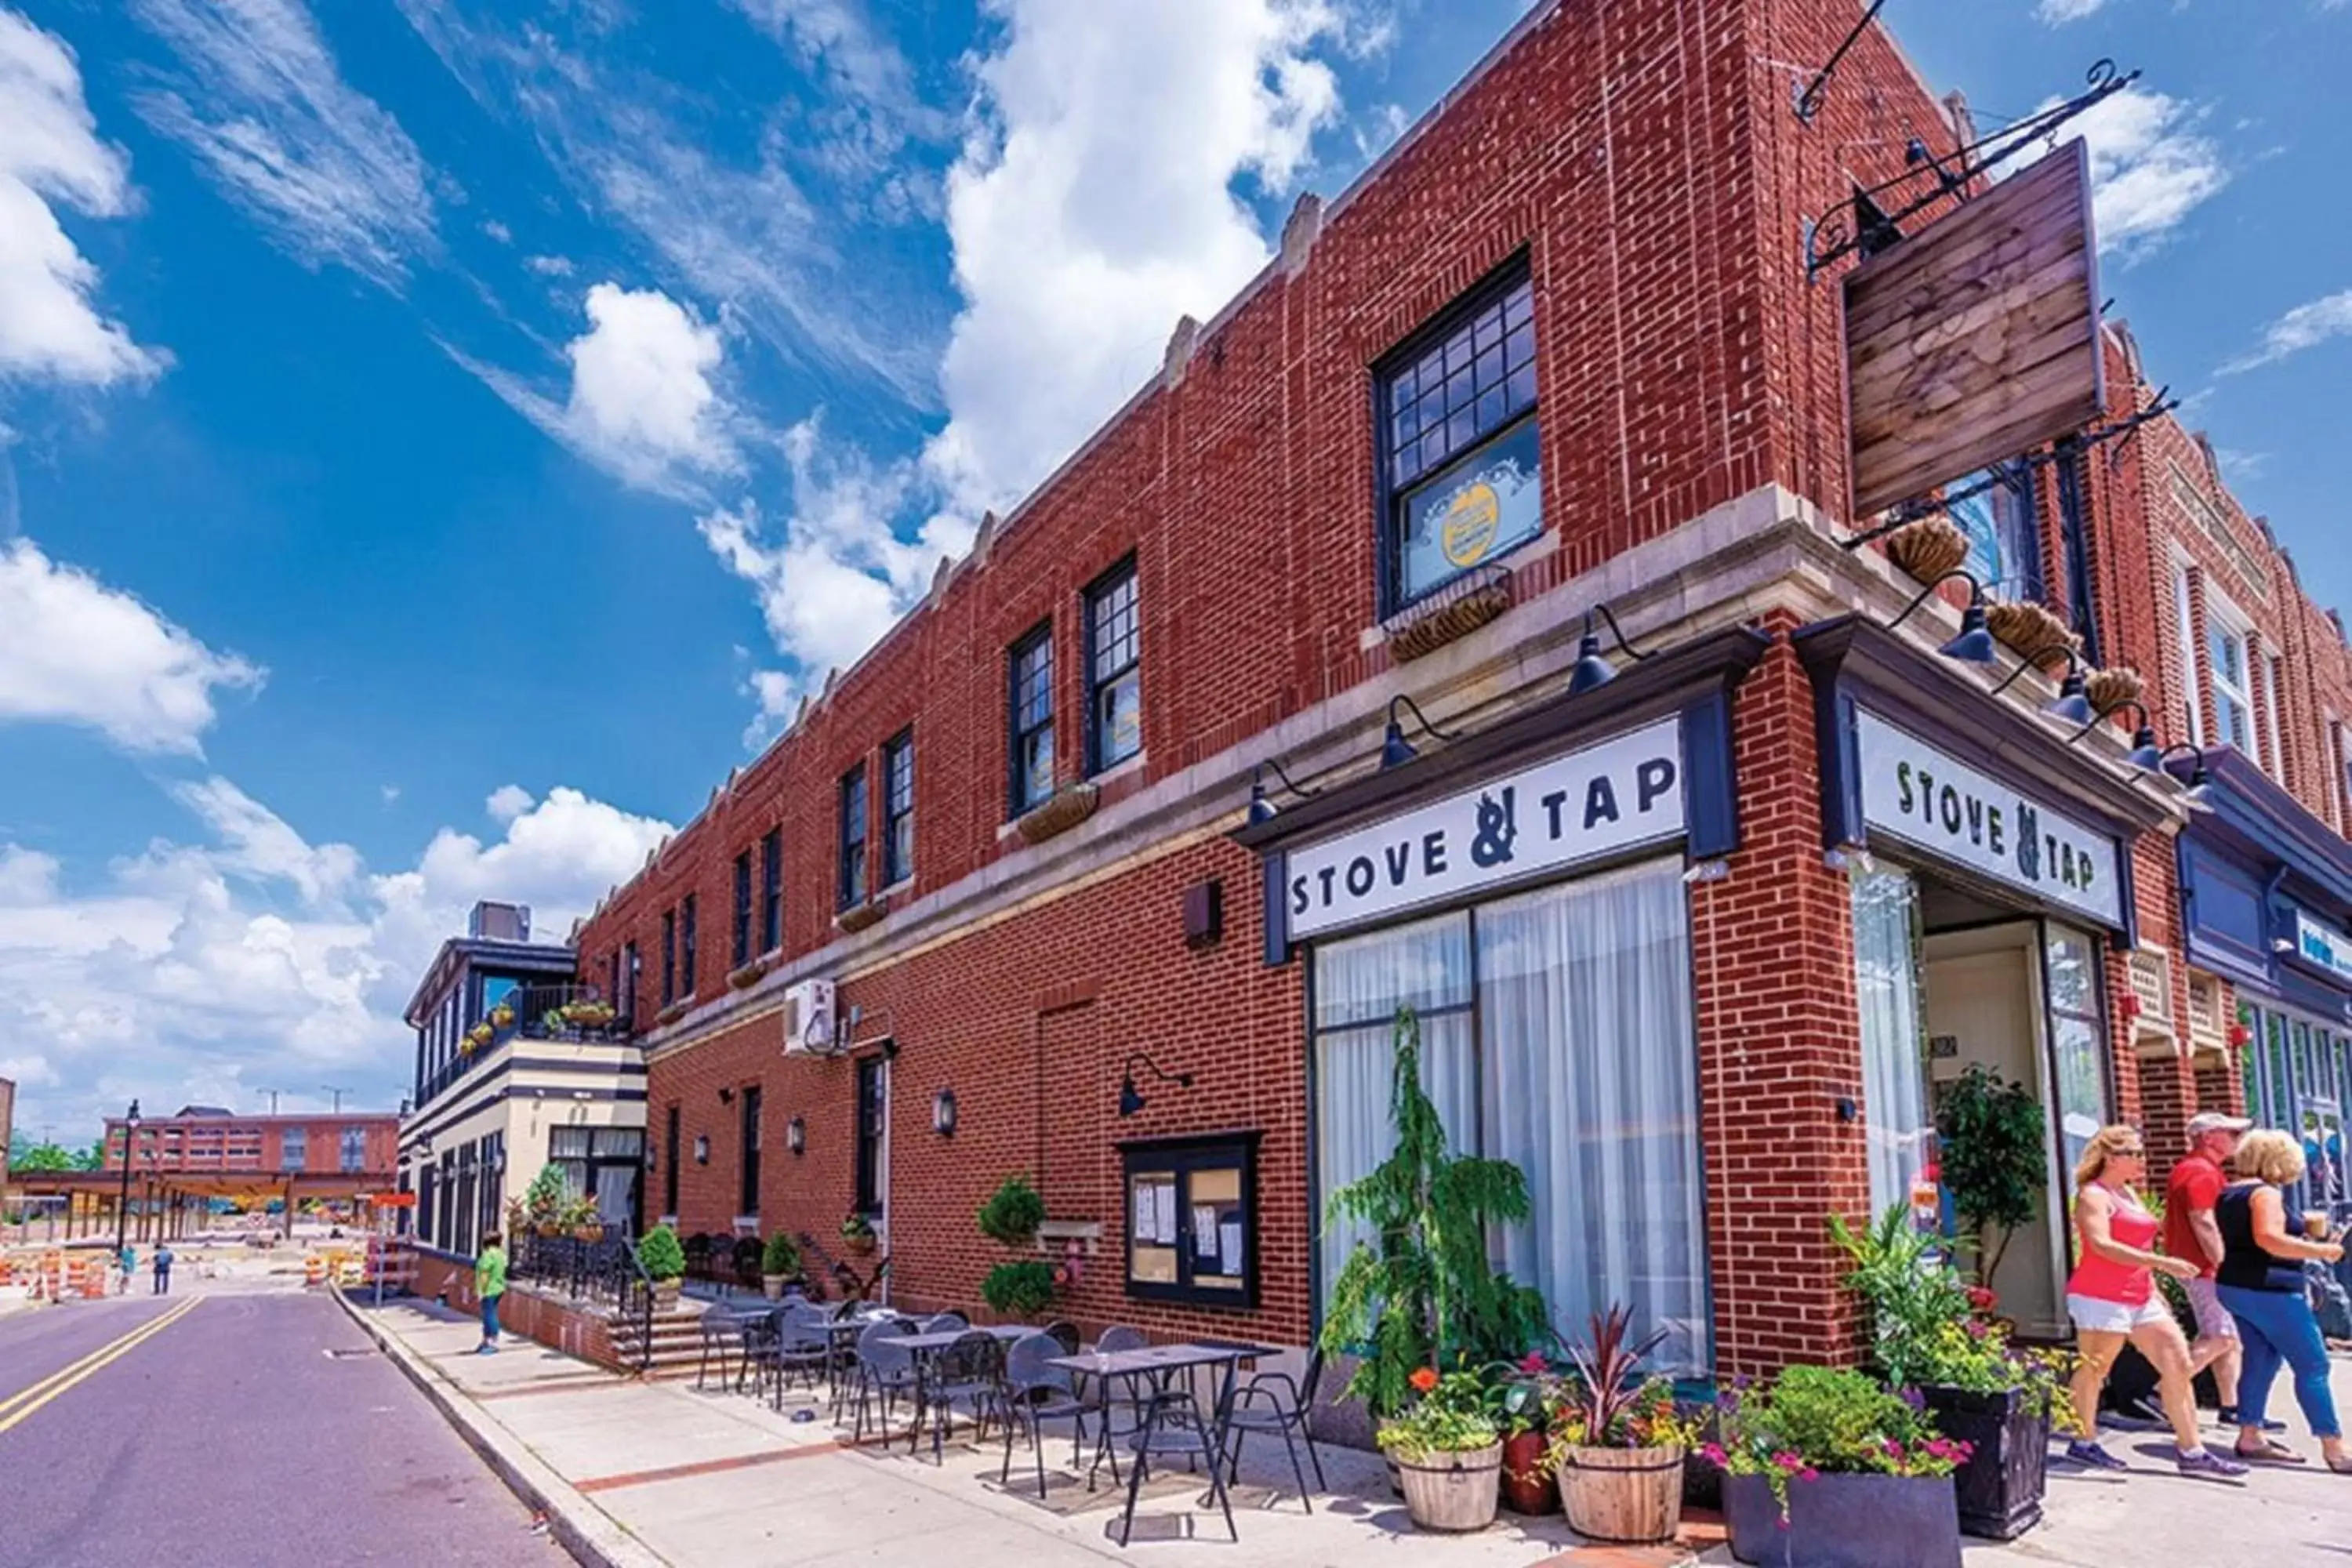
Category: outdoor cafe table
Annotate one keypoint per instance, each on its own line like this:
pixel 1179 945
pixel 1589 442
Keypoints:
pixel 1160 1364
pixel 927 1346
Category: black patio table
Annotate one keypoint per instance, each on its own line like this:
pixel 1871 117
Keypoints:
pixel 1161 1363
pixel 927 1346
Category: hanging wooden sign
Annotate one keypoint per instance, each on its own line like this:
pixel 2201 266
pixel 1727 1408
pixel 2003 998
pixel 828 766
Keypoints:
pixel 1977 338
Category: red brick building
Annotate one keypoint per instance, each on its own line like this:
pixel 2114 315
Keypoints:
pixel 209 1140
pixel 1696 947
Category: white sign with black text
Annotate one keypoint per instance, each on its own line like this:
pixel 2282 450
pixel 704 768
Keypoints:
pixel 1582 806
pixel 1916 793
pixel 2330 950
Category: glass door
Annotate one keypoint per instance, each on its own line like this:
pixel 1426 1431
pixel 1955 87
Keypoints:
pixel 2078 1049
pixel 1894 1069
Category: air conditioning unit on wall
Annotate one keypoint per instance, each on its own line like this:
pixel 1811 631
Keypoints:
pixel 809 1028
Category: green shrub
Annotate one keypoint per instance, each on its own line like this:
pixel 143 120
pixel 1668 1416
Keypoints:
pixel 1013 1212
pixel 780 1256
pixel 544 1197
pixel 1019 1289
pixel 660 1252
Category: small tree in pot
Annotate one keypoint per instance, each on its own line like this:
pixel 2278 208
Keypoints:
pixel 1447 1445
pixel 1995 1160
pixel 664 1263
pixel 780 1261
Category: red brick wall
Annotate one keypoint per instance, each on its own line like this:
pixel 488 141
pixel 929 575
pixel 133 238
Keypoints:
pixel 559 1324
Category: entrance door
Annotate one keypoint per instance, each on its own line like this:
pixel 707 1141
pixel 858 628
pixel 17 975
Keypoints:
pixel 1984 1005
pixel 873 1195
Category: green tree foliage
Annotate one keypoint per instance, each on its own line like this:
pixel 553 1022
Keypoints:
pixel 660 1252
pixel 1996 1160
pixel 1422 1292
pixel 781 1256
pixel 1013 1212
pixel 31 1156
pixel 1019 1289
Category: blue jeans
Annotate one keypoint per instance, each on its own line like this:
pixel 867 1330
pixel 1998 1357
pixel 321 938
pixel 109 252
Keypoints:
pixel 2277 1326
pixel 490 1319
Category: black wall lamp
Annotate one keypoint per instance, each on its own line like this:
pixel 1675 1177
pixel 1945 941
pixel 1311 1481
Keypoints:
pixel 1262 808
pixel 2072 703
pixel 1130 1099
pixel 726 1095
pixel 1395 750
pixel 796 1136
pixel 702 1148
pixel 1592 669
pixel 943 1114
pixel 1974 645
pixel 2146 755
pixel 2200 782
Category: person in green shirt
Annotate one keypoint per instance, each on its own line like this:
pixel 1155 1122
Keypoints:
pixel 489 1284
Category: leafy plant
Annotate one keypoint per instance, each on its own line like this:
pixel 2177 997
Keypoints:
pixel 1013 1212
pixel 855 1226
pixel 544 1197
pixel 1421 1293
pixel 1995 1146
pixel 1452 1413
pixel 660 1252
pixel 1607 1402
pixel 578 1212
pixel 781 1256
pixel 1812 1420
pixel 1901 1276
pixel 1019 1289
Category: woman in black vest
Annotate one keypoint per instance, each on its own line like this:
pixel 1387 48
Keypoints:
pixel 2260 1279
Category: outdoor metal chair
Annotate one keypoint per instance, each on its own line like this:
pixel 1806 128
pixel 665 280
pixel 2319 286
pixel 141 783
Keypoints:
pixel 1173 1423
pixel 946 1323
pixel 1106 1397
pixel 1066 1334
pixel 969 1370
pixel 800 1345
pixel 884 1372
pixel 722 1333
pixel 1036 1392
pixel 1274 1402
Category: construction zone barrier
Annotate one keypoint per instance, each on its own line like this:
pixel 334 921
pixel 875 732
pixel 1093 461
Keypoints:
pixel 314 1271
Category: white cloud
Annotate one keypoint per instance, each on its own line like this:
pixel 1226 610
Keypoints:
pixel 390 794
pixel 2058 12
pixel 2150 167
pixel 74 651
pixel 1094 202
pixel 49 152
pixel 508 802
pixel 549 266
pixel 2306 326
pixel 181 975
pixel 326 170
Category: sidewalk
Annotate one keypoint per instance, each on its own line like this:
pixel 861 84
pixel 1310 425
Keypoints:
pixel 636 1474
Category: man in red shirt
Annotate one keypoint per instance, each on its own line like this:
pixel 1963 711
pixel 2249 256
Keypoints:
pixel 2191 1233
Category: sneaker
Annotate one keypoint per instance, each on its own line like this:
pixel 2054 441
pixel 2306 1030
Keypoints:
pixel 2091 1456
pixel 488 1350
pixel 2205 1462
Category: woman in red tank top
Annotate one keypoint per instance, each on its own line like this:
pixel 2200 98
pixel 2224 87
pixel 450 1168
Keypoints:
pixel 2113 1298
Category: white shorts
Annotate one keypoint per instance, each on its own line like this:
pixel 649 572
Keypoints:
pixel 2115 1317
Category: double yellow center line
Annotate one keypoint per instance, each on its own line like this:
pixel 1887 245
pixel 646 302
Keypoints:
pixel 17 1406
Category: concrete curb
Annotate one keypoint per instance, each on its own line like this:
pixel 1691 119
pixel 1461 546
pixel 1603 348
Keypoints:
pixel 578 1526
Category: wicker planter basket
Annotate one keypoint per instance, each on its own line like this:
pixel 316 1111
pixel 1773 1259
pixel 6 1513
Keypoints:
pixel 1070 805
pixel 1928 548
pixel 671 1014
pixel 749 975
pixel 1431 626
pixel 1457 1492
pixel 1623 1494
pixel 857 917
pixel 2109 689
pixel 2028 629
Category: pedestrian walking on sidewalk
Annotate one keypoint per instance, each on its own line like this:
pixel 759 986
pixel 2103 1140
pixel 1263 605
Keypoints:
pixel 129 1259
pixel 2112 1298
pixel 489 1284
pixel 163 1269
pixel 2260 1282
pixel 2191 1233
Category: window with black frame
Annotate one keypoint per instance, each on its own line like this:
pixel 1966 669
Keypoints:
pixel 898 808
pixel 1460 480
pixel 873 1125
pixel 685 949
pixel 771 890
pixel 1192 1219
pixel 669 956
pixel 2003 529
pixel 1031 705
pixel 748 1196
pixel 851 891
pixel 1114 669
pixel 669 1162
pixel 742 944
pixel 631 968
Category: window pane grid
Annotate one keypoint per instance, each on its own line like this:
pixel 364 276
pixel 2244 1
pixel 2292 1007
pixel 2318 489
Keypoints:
pixel 1454 395
pixel 852 837
pixel 898 809
pixel 1114 652
pixel 771 890
pixel 1032 754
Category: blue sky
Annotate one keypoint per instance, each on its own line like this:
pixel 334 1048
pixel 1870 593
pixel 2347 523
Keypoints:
pixel 443 437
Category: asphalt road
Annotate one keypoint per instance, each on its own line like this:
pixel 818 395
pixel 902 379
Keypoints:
pixel 230 1435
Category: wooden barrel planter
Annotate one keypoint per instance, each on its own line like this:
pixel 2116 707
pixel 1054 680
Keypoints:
pixel 1623 1494
pixel 1452 1491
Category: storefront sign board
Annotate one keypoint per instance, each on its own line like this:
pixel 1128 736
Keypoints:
pixel 1586 805
pixel 1913 791
pixel 2329 950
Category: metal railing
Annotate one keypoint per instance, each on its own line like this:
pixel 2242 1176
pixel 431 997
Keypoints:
pixel 605 1273
pixel 566 1012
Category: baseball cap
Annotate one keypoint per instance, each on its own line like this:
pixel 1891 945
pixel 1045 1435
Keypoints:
pixel 2206 1121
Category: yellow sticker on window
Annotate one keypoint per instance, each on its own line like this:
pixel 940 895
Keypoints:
pixel 1471 518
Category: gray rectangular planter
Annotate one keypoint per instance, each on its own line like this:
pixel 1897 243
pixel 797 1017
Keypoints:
pixel 1845 1521
pixel 2000 1486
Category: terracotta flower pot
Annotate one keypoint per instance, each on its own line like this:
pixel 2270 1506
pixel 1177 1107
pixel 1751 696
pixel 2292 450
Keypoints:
pixel 1529 1485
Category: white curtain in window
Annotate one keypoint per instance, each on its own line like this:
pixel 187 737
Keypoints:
pixel 1360 984
pixel 1894 1074
pixel 1593 1090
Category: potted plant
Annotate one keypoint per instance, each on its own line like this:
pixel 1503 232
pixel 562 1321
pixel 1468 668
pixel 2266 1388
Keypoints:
pixel 663 1262
pixel 518 1218
pixel 1528 1484
pixel 1019 1291
pixel 1013 1212
pixel 544 1200
pixel 1933 1332
pixel 1824 1468
pixel 582 1219
pixel 502 1016
pixel 481 1034
pixel 1617 1441
pixel 778 1264
pixel 1995 1149
pixel 857 1234
pixel 1447 1446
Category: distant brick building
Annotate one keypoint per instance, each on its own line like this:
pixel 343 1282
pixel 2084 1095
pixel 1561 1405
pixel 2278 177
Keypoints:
pixel 1697 948
pixel 200 1139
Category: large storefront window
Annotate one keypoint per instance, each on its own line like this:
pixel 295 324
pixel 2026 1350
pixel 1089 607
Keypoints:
pixel 1893 1076
pixel 2077 1047
pixel 2298 1076
pixel 1557 1033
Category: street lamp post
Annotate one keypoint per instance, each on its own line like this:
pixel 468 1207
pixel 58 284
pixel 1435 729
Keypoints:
pixel 123 1202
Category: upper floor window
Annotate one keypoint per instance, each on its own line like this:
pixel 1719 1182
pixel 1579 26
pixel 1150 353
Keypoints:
pixel 2274 681
pixel 898 808
pixel 2228 664
pixel 852 837
pixel 2185 618
pixel 1032 744
pixel 685 948
pixel 1459 476
pixel 771 890
pixel 669 957
pixel 1114 670
pixel 352 1152
pixel 2004 531
pixel 630 970
pixel 294 1149
pixel 742 946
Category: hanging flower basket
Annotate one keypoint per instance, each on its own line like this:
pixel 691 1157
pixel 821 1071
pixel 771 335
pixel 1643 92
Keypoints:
pixel 2109 689
pixel 1427 628
pixel 502 1016
pixel 1068 807
pixel 1928 548
pixel 588 1015
pixel 481 1034
pixel 857 917
pixel 2030 629
pixel 749 975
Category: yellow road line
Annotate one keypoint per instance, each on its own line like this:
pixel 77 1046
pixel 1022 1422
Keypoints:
pixel 23 1403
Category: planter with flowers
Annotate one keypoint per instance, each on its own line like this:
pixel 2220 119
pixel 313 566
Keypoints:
pixel 1524 1397
pixel 857 1234
pixel 1617 1440
pixel 1824 1468
pixel 1447 1446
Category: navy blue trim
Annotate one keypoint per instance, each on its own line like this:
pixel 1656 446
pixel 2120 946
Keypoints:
pixel 1710 800
pixel 1276 869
